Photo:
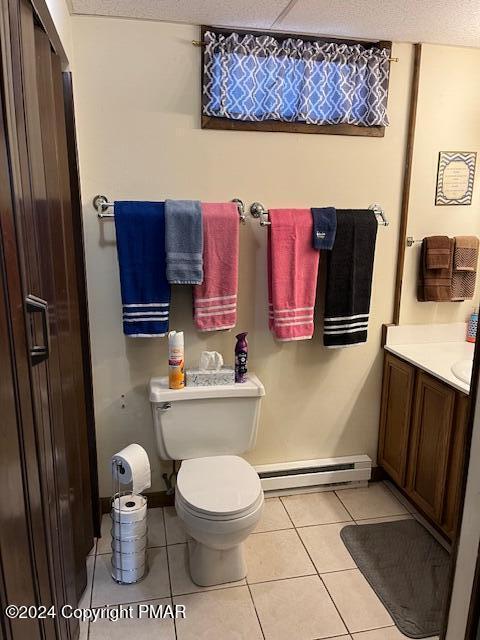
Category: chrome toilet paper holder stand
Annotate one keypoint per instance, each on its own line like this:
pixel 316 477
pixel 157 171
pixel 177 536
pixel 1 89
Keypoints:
pixel 117 493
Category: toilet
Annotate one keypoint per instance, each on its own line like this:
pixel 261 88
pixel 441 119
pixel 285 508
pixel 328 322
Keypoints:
pixel 218 495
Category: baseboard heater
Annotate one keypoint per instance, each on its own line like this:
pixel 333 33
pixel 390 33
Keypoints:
pixel 304 475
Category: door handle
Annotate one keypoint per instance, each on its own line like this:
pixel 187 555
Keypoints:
pixel 39 353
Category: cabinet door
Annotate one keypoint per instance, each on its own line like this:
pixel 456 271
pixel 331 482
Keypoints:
pixel 397 394
pixel 451 506
pixel 430 444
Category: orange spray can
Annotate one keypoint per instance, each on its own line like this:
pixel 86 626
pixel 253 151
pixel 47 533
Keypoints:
pixel 176 360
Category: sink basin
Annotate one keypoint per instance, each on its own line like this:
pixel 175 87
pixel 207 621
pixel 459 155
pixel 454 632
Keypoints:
pixel 462 369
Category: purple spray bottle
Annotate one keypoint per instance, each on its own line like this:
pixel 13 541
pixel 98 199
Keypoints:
pixel 241 357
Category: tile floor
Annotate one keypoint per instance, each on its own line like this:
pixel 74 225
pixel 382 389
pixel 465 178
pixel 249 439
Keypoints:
pixel 302 583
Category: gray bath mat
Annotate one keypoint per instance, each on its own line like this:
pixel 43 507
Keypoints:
pixel 407 568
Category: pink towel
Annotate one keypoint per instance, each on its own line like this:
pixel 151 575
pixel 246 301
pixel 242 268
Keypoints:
pixel 215 301
pixel 292 274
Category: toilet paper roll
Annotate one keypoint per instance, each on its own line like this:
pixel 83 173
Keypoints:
pixel 128 576
pixel 129 546
pixel 128 561
pixel 129 531
pixel 129 508
pixel 131 465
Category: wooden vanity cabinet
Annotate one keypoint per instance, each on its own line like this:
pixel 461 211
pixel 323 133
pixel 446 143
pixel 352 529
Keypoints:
pixel 430 435
pixel 451 505
pixel 422 438
pixel 395 417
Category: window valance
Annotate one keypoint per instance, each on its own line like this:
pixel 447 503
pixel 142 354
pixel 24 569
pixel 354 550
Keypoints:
pixel 261 77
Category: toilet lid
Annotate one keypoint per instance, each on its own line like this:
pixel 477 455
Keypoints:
pixel 218 485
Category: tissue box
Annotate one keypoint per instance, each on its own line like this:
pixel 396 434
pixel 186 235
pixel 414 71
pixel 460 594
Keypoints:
pixel 199 378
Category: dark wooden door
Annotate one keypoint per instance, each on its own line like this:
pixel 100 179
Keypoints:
pixel 18 578
pixel 397 399
pixel 48 396
pixel 58 231
pixel 430 444
pixel 26 572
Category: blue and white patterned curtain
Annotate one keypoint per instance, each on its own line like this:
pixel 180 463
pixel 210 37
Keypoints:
pixel 249 77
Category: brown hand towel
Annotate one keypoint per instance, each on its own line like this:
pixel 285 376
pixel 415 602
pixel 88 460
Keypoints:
pixel 435 284
pixel 438 252
pixel 465 258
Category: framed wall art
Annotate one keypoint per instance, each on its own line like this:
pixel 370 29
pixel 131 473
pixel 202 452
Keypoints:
pixel 455 176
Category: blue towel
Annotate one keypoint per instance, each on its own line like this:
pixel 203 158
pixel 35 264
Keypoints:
pixel 184 241
pixel 324 228
pixel 140 228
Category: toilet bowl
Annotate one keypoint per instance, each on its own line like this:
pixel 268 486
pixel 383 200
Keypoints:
pixel 218 495
pixel 219 499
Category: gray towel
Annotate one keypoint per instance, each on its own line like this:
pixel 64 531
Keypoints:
pixel 184 241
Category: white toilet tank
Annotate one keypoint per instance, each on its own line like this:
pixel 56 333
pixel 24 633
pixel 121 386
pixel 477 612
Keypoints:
pixel 195 422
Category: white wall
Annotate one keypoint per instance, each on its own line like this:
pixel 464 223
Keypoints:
pixel 448 119
pixel 137 88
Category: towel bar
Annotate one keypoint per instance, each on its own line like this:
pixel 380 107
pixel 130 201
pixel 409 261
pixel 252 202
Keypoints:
pixel 257 210
pixel 101 204
pixel 411 241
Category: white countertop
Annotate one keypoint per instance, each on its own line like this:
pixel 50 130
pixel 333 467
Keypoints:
pixel 435 358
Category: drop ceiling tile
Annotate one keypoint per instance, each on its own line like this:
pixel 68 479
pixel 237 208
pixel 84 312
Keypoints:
pixel 243 13
pixel 434 21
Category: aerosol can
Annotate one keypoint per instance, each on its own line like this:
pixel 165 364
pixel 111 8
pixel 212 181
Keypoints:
pixel 241 357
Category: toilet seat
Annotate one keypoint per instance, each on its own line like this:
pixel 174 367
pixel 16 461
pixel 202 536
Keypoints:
pixel 218 488
pixel 213 517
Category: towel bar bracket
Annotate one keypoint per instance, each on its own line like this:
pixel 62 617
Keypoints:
pixel 380 214
pixel 410 241
pixel 101 205
pixel 241 210
pixel 257 210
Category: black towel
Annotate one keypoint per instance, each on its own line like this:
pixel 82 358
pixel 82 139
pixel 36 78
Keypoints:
pixel 349 279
